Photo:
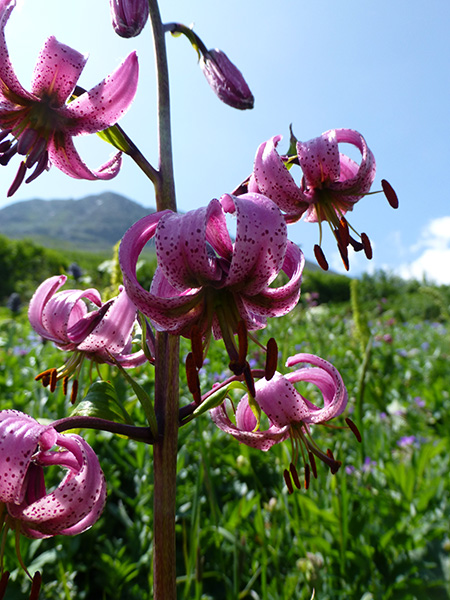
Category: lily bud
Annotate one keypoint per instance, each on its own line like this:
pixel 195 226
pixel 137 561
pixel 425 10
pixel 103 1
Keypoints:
pixel 225 80
pixel 129 16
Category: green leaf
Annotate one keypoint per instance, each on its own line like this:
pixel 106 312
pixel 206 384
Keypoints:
pixel 114 136
pixel 102 402
pixel 216 399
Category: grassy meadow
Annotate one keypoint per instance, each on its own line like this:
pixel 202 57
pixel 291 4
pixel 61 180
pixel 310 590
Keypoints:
pixel 378 529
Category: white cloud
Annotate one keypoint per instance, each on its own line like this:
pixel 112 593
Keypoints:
pixel 433 263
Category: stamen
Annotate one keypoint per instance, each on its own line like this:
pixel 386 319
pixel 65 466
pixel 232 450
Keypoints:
pixel 3 583
pixel 334 468
pixel 312 462
pixel 197 346
pixel 287 480
pixel 74 391
pixel 320 257
pixel 4 146
pixel 192 378
pixel 18 179
pixel 271 359
pixel 390 194
pixel 41 166
pixel 307 476
pixel 294 474
pixel 36 586
pixel 26 141
pixel 65 384
pixel 343 231
pixel 45 377
pixel 353 429
pixel 342 250
pixel 36 152
pixel 53 379
pixel 357 246
pixel 6 156
pixel 366 244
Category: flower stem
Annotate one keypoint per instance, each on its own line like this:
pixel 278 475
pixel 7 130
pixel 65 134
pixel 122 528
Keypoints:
pixel 166 357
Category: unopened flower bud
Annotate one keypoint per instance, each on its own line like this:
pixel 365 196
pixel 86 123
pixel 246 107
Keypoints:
pixel 225 79
pixel 129 16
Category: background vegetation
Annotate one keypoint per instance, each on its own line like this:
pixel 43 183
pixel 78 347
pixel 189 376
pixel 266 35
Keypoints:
pixel 377 529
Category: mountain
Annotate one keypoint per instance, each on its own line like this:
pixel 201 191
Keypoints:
pixel 92 223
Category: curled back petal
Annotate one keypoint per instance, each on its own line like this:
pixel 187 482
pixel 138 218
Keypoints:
pixel 78 500
pixel 37 303
pixel 274 180
pixel 329 381
pixel 361 180
pixel 278 301
pixel 63 310
pixel 63 154
pixel 8 80
pixel 57 71
pixel 168 312
pixel 181 248
pixel 319 159
pixel 106 103
pixel 114 329
pixel 260 245
pixel 19 438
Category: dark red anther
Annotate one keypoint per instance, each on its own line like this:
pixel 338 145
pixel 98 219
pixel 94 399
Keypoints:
pixel 3 583
pixel 343 231
pixel 18 179
pixel 320 257
pixel 344 254
pixel 74 391
pixel 312 462
pixel 330 454
pixel 390 194
pixel 307 476
pixel 294 474
pixel 354 429
pixel 65 384
pixel 357 246
pixel 192 378
pixel 366 244
pixel 243 342
pixel 249 380
pixel 271 359
pixel 44 377
pixel 287 480
pixel 197 346
pixel 53 379
pixel 36 586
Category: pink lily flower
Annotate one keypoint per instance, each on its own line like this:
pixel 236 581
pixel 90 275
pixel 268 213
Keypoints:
pixel 102 335
pixel 205 281
pixel 39 125
pixel 289 413
pixel 25 448
pixel 332 183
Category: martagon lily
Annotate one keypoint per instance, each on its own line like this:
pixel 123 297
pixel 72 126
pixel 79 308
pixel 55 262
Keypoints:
pixel 332 183
pixel 39 125
pixel 205 282
pixel 290 414
pixel 102 335
pixel 26 447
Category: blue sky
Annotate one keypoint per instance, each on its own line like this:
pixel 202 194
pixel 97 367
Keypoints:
pixel 378 67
